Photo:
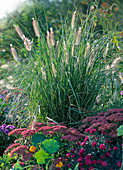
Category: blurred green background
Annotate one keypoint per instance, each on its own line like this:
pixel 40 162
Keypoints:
pixel 52 14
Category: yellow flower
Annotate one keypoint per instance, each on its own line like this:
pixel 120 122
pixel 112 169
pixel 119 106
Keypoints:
pixel 32 149
pixel 115 41
pixel 59 165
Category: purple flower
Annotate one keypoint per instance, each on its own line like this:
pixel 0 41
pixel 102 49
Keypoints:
pixel 6 131
pixel 121 93
pixel 4 125
pixel 12 127
pixel 8 126
pixel 1 127
pixel 1 97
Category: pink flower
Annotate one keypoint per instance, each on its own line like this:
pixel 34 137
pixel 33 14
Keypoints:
pixel 60 158
pixel 100 161
pixel 94 161
pixel 73 156
pixel 29 132
pixel 11 146
pixel 82 150
pixel 26 156
pixel 87 157
pixel 85 140
pixel 102 146
pixel 94 143
pixel 86 130
pixel 91 168
pixel 93 130
pixel 103 163
pixel 115 148
pixel 80 164
pixel 69 138
pixel 19 150
pixel 72 151
pixel 119 164
pixel 68 155
pixel 16 131
pixel 83 143
pixel 51 133
pixel 88 162
pixel 45 128
pixel 79 159
pixel 78 143
pixel 121 93
pixel 108 154
pixel 102 156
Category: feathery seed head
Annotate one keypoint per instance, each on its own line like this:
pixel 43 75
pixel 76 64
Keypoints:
pixel 52 40
pixel 78 36
pixel 54 70
pixel 28 44
pixel 43 73
pixel 36 29
pixel 73 20
pixel 14 53
pixel 20 33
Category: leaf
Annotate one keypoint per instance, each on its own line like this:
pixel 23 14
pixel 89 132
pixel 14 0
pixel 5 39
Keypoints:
pixel 120 131
pixel 38 138
pixel 76 167
pixel 61 144
pixel 17 166
pixel 50 145
pixel 41 155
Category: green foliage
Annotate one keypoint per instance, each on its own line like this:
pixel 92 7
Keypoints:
pixel 5 162
pixel 50 145
pixel 17 166
pixel 41 156
pixel 37 138
pixel 120 131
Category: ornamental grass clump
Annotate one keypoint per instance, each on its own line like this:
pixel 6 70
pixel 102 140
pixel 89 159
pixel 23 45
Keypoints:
pixel 61 74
